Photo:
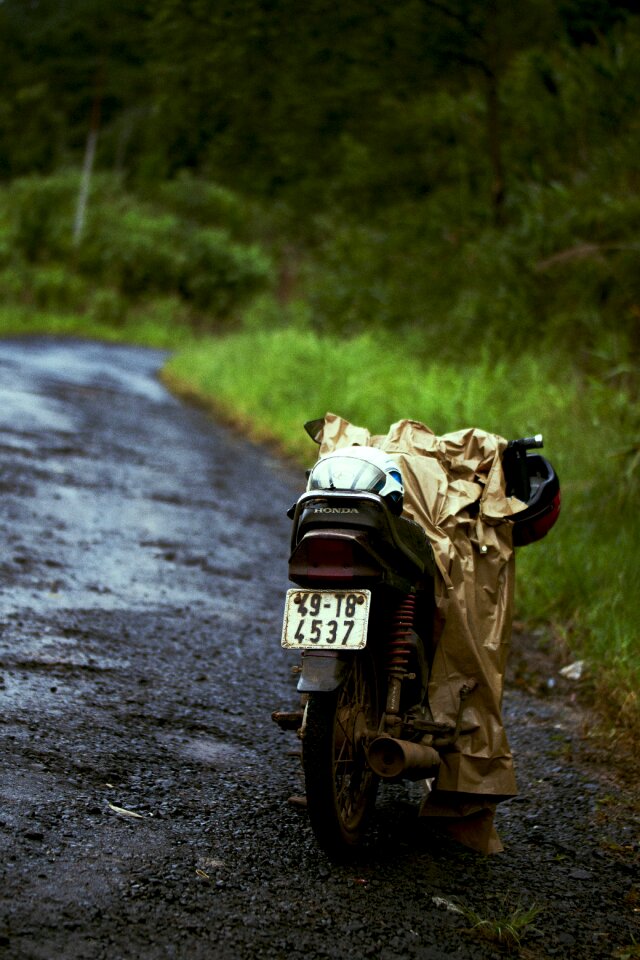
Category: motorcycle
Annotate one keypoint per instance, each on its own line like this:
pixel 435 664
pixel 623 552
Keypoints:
pixel 361 614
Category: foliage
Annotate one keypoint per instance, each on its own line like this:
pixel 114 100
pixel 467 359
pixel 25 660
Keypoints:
pixel 504 290
pixel 65 66
pixel 250 90
pixel 204 202
pixel 628 952
pixel 508 929
pixel 134 249
pixel 321 105
pixel 39 212
pixel 156 324
pixel 45 286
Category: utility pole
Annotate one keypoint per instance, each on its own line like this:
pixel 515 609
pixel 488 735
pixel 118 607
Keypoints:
pixel 89 157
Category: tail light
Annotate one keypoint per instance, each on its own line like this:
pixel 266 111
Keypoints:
pixel 330 554
pixel 331 558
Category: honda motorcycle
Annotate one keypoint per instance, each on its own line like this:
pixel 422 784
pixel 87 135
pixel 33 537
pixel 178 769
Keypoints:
pixel 361 615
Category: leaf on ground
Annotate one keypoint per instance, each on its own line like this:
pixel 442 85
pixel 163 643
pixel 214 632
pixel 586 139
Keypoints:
pixel 447 904
pixel 125 813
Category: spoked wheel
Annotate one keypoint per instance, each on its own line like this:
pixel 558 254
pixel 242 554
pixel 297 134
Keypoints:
pixel 340 786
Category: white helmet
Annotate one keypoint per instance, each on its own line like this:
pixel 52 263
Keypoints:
pixel 360 468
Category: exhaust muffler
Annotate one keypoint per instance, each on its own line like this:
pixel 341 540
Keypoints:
pixel 401 759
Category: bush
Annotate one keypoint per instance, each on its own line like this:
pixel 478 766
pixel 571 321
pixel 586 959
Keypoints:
pixel 40 211
pixel 13 285
pixel 563 272
pixel 129 249
pixel 142 252
pixel 203 202
pixel 133 248
pixel 47 286
pixel 221 275
pixel 107 307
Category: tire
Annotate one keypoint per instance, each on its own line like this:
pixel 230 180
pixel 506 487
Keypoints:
pixel 340 786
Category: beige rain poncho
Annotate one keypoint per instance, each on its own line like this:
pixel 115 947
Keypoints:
pixel 454 487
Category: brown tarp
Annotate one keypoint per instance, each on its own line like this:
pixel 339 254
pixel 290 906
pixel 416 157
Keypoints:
pixel 454 487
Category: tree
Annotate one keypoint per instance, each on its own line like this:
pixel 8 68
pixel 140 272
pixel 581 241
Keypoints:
pixel 274 90
pixel 56 54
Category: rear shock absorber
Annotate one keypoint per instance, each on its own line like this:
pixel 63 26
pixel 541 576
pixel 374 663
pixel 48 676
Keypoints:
pixel 402 627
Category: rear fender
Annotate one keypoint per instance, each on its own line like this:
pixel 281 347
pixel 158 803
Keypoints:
pixel 322 671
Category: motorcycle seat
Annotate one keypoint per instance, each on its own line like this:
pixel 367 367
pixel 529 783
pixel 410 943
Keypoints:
pixel 365 511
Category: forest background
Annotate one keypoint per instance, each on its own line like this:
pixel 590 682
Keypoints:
pixel 417 208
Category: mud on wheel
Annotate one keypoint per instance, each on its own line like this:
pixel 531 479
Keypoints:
pixel 340 786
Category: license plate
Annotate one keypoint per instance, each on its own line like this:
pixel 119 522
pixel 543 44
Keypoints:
pixel 326 619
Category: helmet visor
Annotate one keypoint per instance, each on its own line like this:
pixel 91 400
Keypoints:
pixel 346 473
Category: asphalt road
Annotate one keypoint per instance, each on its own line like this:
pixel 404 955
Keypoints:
pixel 143 786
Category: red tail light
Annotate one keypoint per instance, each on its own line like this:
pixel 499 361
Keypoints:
pixel 332 554
pixel 330 558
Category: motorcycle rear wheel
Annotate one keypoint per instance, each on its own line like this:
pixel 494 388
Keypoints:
pixel 340 786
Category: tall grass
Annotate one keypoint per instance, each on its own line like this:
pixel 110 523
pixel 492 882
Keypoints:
pixel 582 577
pixel 151 325
pixel 282 377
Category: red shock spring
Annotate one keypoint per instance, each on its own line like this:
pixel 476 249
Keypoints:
pixel 401 630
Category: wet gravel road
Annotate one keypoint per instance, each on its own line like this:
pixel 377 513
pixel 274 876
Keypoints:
pixel 143 569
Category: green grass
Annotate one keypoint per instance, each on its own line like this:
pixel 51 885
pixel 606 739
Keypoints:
pixel 508 929
pixel 293 375
pixel 629 952
pixel 147 327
